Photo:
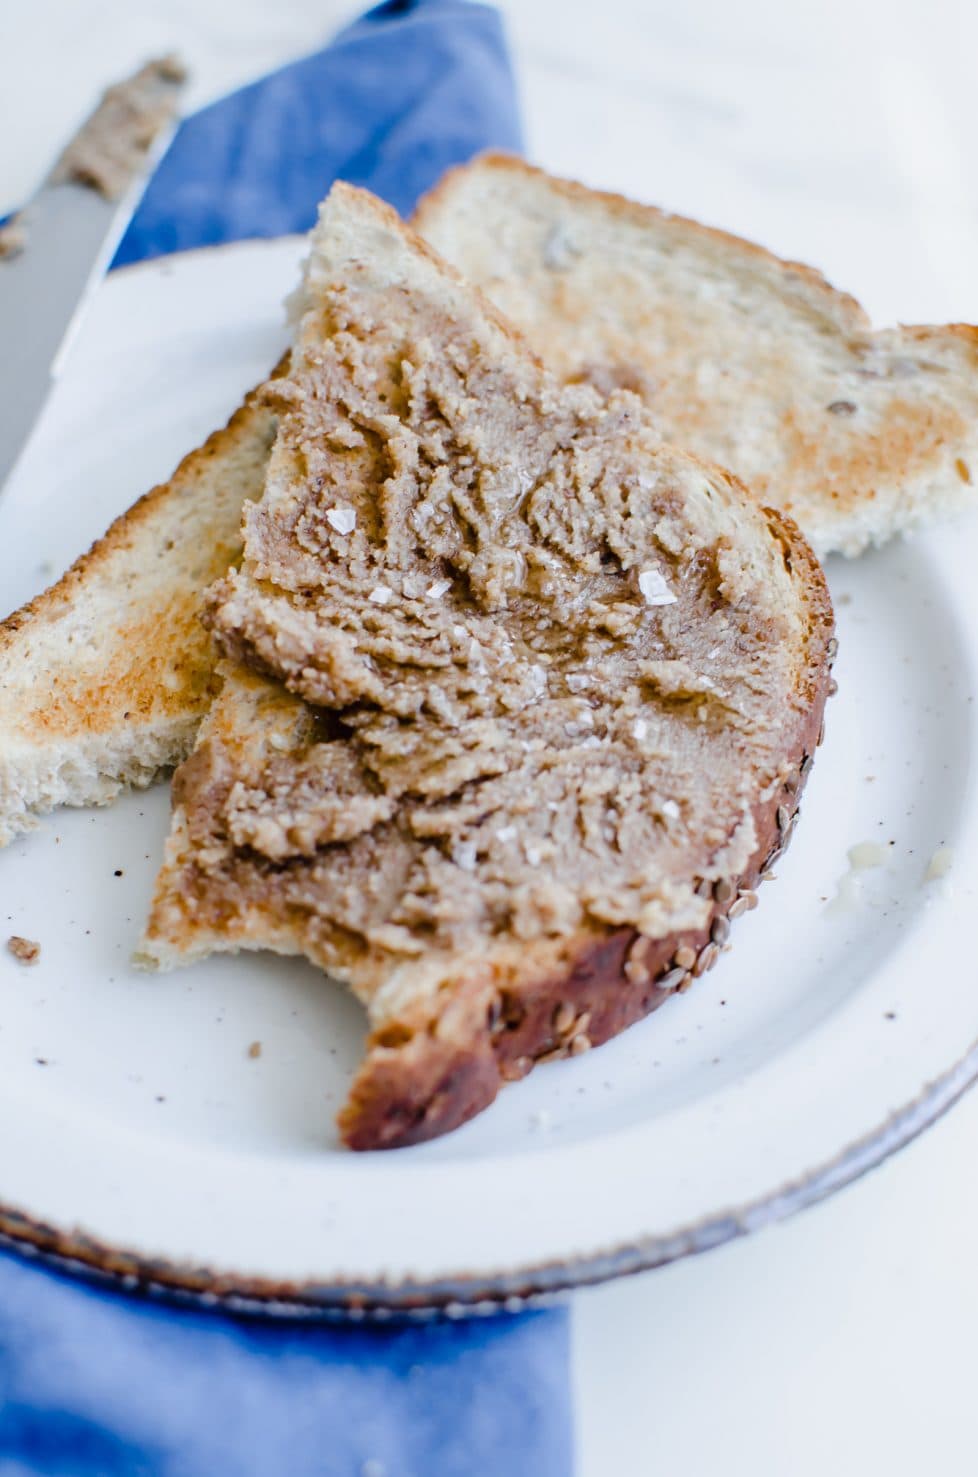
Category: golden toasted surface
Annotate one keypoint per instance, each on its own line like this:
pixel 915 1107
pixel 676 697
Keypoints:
pixel 747 360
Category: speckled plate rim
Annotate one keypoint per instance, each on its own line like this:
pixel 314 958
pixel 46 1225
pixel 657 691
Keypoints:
pixel 478 1293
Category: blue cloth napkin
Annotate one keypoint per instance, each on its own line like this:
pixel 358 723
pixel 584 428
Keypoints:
pixel 99 1384
pixel 411 88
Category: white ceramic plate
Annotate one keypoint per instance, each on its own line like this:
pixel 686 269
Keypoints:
pixel 140 1137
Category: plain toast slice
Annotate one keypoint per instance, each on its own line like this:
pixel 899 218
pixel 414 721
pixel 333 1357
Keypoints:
pixel 105 676
pixel 744 359
pixel 529 703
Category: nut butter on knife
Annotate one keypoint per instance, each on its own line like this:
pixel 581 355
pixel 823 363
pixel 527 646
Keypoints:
pixel 55 251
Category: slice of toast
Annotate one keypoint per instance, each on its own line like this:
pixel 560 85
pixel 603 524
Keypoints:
pixel 530 698
pixel 105 677
pixel 747 360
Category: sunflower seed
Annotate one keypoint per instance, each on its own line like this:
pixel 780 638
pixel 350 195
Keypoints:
pixel 563 1017
pixel 719 930
pixel 708 956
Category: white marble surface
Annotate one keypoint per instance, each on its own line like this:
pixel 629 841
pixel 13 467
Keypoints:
pixel 841 132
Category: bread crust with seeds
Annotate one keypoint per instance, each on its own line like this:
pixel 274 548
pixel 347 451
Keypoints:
pixel 551 1006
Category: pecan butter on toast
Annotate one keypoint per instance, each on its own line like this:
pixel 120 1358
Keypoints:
pixel 518 704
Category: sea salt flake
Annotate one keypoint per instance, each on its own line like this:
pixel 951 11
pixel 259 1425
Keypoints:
pixel 382 595
pixel 640 729
pixel 463 855
pixel 654 589
pixel 505 833
pixel 671 809
pixel 438 589
pixel 533 856
pixel 344 520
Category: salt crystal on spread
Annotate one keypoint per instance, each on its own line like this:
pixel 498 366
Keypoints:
pixel 654 588
pixel 344 520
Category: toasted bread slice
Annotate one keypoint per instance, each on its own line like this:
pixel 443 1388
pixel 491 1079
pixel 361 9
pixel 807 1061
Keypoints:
pixel 105 677
pixel 744 359
pixel 530 703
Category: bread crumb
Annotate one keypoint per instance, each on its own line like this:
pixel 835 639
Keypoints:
pixel 541 1121
pixel 867 854
pixel 254 1050
pixel 940 864
pixel 27 951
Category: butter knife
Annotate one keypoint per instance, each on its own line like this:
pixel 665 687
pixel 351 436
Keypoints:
pixel 55 251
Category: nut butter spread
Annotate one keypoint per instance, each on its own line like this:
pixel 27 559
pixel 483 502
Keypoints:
pixel 108 150
pixel 543 660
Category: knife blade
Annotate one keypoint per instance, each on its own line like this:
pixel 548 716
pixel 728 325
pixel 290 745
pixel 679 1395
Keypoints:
pixel 58 248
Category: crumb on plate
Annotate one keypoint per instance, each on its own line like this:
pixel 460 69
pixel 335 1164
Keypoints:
pixel 28 951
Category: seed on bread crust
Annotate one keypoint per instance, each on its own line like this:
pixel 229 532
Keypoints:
pixel 564 1017
pixel 706 959
pixel 742 904
pixel 720 930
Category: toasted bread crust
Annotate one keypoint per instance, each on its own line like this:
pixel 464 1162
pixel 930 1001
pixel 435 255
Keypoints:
pixel 433 1080
pixel 496 160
